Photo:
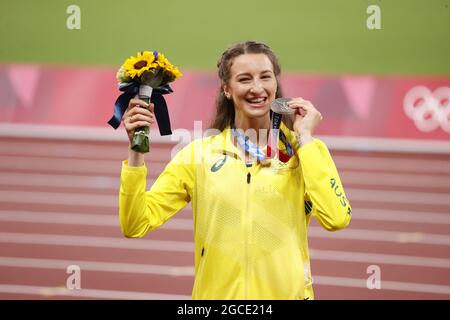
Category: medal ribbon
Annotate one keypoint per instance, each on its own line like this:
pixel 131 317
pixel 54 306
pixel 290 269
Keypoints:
pixel 275 136
pixel 247 145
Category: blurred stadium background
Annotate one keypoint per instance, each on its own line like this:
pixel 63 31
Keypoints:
pixel 385 99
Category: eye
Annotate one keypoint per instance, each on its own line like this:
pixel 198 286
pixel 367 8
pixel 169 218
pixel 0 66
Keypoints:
pixel 244 80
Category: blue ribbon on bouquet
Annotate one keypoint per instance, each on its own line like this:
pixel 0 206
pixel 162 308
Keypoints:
pixel 130 90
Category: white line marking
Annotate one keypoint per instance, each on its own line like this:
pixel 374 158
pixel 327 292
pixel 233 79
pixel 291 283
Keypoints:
pixel 88 293
pixel 379 258
pixel 82 199
pixel 111 267
pixel 84 166
pixel 111 183
pixel 65 132
pixel 394 179
pixel 61 132
pixel 385 285
pixel 77 150
pixel 400 216
pixel 99 166
pixel 316 254
pixel 188 246
pixel 315 232
pixel 82 219
pixel 386 144
pixel 409 197
pixel 96 242
pixel 59 180
pixel 375 163
pixel 187 223
pixel 381 236
pixel 98 266
pixel 90 199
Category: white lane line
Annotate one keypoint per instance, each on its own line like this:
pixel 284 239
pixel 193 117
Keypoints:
pixel 59 180
pixel 96 242
pixel 379 258
pixel 88 293
pixel 187 223
pixel 385 285
pixel 112 183
pixel 400 216
pixel 57 165
pixel 407 197
pixel 396 145
pixel 402 197
pixel 349 163
pixel 394 179
pixel 61 132
pixel 188 246
pixel 182 224
pixel 115 267
pixel 316 254
pixel 98 266
pixel 61 218
pixel 392 164
pixel 82 219
pixel 81 167
pixel 27 148
pixel 60 198
pixel 65 132
pixel 160 152
pixel 381 236
pixel 315 232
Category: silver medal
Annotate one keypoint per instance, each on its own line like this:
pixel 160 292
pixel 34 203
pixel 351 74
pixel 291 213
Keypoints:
pixel 280 106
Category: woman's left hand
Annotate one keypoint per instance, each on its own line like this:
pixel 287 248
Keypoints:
pixel 307 117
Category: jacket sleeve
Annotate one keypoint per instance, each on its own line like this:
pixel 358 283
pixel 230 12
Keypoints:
pixel 323 186
pixel 142 211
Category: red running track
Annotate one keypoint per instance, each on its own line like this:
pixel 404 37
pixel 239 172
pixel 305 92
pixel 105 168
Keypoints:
pixel 59 207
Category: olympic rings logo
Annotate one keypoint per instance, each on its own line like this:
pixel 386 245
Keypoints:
pixel 429 110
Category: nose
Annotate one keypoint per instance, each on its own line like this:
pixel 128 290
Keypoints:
pixel 257 87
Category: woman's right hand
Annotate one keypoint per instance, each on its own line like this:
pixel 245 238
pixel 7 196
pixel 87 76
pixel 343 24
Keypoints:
pixel 137 115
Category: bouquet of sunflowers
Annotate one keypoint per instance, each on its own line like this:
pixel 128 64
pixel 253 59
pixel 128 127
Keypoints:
pixel 147 75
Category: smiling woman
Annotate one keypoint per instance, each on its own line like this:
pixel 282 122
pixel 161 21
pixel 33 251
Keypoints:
pixel 251 206
pixel 252 86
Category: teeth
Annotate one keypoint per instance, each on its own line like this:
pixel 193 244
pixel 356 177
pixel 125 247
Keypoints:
pixel 257 100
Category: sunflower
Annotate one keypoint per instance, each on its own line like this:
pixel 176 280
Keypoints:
pixel 136 66
pixel 176 74
pixel 163 63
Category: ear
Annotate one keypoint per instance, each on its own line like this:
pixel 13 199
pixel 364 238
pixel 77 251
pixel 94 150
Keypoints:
pixel 226 91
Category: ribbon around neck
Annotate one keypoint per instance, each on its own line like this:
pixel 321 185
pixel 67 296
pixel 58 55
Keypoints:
pixel 130 90
pixel 254 149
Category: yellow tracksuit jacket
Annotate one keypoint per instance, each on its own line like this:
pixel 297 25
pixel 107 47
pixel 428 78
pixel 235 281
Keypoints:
pixel 250 224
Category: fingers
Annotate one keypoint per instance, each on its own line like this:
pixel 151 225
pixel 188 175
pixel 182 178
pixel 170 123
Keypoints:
pixel 151 108
pixel 303 107
pixel 137 115
pixel 300 103
pixel 137 102
pixel 139 106
pixel 136 120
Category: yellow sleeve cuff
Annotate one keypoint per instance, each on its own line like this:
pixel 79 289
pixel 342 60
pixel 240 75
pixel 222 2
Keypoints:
pixel 132 179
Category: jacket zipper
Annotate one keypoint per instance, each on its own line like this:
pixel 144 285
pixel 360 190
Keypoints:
pixel 247 235
pixel 199 275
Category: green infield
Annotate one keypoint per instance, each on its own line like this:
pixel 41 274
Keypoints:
pixel 309 36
